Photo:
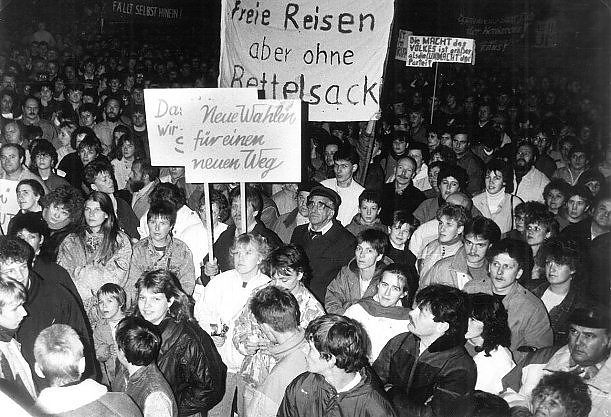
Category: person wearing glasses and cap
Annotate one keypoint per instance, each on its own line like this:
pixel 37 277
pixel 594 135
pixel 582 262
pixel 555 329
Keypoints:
pixel 328 245
pixel 586 354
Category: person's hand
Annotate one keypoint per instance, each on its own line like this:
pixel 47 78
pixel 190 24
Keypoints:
pixel 211 268
pixel 218 340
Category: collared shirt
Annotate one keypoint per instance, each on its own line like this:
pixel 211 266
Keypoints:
pixel 325 228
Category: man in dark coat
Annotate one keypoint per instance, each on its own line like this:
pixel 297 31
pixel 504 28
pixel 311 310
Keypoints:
pixel 401 194
pixel 587 230
pixel 48 302
pixel 428 368
pixel 328 245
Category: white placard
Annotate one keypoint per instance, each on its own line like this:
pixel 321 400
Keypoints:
pixel 423 51
pixel 224 137
pixel 172 114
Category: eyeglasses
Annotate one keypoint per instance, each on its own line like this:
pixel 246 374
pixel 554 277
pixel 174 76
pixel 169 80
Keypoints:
pixel 318 204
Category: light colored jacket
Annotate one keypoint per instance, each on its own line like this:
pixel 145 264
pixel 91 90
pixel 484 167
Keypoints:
pixel 532 185
pixel 527 316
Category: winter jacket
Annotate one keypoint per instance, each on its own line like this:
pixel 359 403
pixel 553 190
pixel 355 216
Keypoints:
pixel 177 258
pixel 559 315
pixel 47 304
pixel 435 383
pixel 345 289
pixel 452 271
pixel 83 264
pixel 87 398
pixel 189 361
pixel 527 316
pixel 356 225
pixel 310 395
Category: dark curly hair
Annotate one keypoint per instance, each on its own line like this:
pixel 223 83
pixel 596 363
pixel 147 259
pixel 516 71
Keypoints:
pixel 570 388
pixel 67 197
pixel 342 337
pixel 491 312
pixel 563 251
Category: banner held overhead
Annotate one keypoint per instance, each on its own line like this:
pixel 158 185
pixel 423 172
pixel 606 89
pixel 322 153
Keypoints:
pixel 329 54
pixel 423 51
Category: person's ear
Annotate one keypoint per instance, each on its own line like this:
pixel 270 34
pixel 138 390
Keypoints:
pixel 442 326
pixel 519 274
pixel 38 370
pixel 81 365
pixel 94 187
pixel 461 229
pixel 379 257
pixel 354 168
pixel 299 276
pixel 171 301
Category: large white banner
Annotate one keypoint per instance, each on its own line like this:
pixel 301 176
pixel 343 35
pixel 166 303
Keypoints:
pixel 224 135
pixel 328 53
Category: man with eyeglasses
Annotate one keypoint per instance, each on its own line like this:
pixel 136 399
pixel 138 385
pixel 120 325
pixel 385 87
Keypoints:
pixel 509 261
pixel 31 117
pixel 328 245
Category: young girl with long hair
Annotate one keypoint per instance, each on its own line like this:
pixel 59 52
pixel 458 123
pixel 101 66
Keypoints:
pixel 97 253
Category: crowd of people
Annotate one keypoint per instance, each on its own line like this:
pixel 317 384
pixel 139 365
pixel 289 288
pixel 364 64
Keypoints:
pixel 450 258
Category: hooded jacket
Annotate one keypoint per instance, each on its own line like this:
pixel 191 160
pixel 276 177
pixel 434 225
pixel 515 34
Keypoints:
pixel 311 395
pixel 435 383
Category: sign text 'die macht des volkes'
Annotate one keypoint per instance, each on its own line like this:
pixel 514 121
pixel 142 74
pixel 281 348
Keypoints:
pixel 224 135
pixel 423 51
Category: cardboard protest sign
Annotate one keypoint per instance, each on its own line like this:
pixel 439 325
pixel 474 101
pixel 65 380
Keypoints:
pixel 401 53
pixel 329 54
pixel 225 135
pixel 8 202
pixel 174 114
pixel 423 51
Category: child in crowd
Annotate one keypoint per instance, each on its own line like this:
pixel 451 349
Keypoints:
pixel 111 303
pixel 368 215
pixel 399 233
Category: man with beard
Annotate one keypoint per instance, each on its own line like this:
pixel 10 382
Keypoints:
pixel 142 180
pixel 401 193
pixel 104 129
pixel 529 181
pixel 31 117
